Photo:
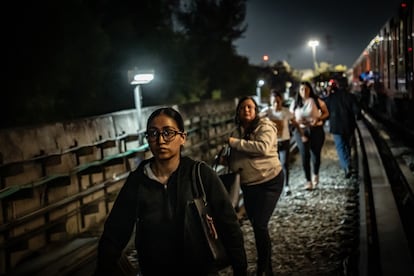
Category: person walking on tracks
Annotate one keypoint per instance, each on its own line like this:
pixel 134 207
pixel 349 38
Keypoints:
pixel 154 199
pixel 309 112
pixel 344 111
pixel 253 149
pixel 281 116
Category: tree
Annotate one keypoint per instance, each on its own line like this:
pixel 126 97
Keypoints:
pixel 281 74
pixel 54 56
pixel 69 59
pixel 211 27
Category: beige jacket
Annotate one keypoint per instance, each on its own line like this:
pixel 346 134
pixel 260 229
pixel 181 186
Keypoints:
pixel 257 158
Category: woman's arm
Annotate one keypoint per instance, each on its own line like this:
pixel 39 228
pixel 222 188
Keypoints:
pixel 324 113
pixel 324 110
pixel 118 228
pixel 265 138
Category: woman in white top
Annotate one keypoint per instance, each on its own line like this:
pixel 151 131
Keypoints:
pixel 281 116
pixel 309 113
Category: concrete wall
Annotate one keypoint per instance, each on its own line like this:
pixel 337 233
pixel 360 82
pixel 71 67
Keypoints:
pixel 31 157
pixel 19 144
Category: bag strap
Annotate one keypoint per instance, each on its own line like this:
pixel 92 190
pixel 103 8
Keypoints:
pixel 217 158
pixel 224 151
pixel 196 175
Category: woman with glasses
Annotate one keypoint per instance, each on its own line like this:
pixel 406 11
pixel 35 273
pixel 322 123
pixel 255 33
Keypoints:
pixel 154 199
pixel 254 151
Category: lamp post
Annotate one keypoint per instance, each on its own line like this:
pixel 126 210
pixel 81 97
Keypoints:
pixel 140 77
pixel 260 83
pixel 313 44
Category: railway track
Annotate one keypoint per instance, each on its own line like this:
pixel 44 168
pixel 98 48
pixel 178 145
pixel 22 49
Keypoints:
pixel 395 145
pixel 386 233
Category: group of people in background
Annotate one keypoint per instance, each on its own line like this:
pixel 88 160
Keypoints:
pixel 154 197
pixel 305 119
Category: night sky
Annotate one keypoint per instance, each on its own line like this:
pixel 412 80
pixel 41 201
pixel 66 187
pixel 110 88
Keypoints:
pixel 282 28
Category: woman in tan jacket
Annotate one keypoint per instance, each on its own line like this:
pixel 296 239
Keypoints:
pixel 254 151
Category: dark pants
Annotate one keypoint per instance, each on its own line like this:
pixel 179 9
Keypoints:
pixel 310 150
pixel 283 148
pixel 260 201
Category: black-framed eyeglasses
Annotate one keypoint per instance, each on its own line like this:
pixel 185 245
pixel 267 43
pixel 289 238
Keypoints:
pixel 167 134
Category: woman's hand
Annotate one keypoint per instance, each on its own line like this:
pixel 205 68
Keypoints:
pixel 223 160
pixel 294 122
pixel 303 121
pixel 313 122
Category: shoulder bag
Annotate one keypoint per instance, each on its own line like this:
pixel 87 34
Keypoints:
pixel 201 234
pixel 231 180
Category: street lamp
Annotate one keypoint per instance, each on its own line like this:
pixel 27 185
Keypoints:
pixel 138 78
pixel 260 83
pixel 313 44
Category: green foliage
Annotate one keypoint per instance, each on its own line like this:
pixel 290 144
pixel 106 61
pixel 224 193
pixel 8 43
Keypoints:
pixel 213 20
pixel 211 27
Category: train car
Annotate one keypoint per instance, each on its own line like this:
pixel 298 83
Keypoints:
pixel 387 62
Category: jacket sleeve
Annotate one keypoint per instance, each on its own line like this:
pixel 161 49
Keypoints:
pixel 225 219
pixel 118 228
pixel 263 143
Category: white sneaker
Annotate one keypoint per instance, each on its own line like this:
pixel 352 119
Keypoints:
pixel 315 180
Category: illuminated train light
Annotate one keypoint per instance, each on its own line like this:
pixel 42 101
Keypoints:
pixel 389 51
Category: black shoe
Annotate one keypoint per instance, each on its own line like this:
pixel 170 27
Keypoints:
pixel 348 173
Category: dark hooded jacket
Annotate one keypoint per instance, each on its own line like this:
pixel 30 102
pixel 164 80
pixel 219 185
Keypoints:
pixel 158 212
pixel 343 112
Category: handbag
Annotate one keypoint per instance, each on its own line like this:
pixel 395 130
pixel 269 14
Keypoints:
pixel 201 234
pixel 231 180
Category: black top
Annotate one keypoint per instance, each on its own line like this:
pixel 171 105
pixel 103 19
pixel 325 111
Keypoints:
pixel 343 112
pixel 158 212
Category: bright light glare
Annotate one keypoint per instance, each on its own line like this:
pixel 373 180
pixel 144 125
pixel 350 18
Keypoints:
pixel 143 78
pixel 260 83
pixel 313 43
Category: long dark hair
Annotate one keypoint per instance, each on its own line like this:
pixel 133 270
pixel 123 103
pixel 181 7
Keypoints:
pixel 170 112
pixel 255 121
pixel 275 93
pixel 299 100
